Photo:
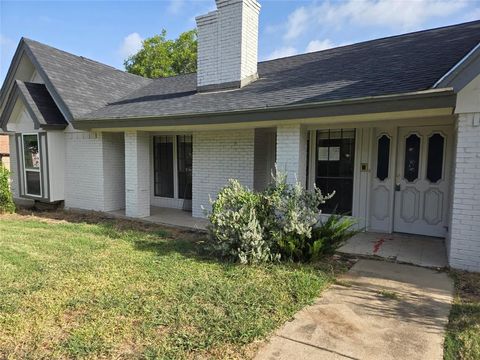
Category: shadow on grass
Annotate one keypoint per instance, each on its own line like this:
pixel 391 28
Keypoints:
pixel 144 236
pixel 164 240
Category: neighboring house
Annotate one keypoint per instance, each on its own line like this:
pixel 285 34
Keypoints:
pixel 4 151
pixel 392 125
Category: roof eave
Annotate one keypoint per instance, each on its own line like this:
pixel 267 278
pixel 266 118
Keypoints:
pixel 427 99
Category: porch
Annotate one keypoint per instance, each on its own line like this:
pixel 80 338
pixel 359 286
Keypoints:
pixel 169 217
pixel 405 248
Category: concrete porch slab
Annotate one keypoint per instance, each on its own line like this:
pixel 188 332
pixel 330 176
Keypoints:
pixel 412 249
pixel 170 217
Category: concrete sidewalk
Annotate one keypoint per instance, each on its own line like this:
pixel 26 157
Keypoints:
pixel 378 310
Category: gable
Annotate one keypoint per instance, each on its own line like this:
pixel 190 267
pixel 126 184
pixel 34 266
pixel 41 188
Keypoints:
pixel 20 120
pixel 37 101
pixel 468 98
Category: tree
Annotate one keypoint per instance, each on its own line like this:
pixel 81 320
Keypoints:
pixel 161 57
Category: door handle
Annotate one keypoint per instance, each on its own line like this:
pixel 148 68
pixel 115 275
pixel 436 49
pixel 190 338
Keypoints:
pixel 397 187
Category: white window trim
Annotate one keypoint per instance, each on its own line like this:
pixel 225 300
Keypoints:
pixel 39 170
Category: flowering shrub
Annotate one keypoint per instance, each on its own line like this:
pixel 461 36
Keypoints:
pixel 235 229
pixel 278 223
pixel 292 212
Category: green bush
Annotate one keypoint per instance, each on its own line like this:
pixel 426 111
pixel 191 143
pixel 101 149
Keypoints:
pixel 281 222
pixel 291 212
pixel 329 235
pixel 235 229
pixel 6 199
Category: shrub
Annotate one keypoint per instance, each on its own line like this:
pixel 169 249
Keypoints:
pixel 329 235
pixel 292 212
pixel 6 199
pixel 235 228
pixel 279 223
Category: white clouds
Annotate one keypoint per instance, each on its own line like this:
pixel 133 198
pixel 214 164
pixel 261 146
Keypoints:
pixel 6 41
pixel 282 52
pixel 395 14
pixel 175 6
pixel 317 45
pixel 131 44
pixel 297 23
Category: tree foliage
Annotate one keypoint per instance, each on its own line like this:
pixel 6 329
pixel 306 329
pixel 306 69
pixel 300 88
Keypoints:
pixel 162 57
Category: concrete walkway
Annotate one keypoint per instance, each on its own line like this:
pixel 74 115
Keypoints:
pixel 378 310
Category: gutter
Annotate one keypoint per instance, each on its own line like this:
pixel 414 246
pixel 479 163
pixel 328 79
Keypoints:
pixel 425 99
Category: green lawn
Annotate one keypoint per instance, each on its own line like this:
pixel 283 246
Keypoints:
pixel 463 332
pixel 86 287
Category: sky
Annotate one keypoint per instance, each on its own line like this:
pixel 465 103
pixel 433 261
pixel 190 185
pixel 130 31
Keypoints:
pixel 110 31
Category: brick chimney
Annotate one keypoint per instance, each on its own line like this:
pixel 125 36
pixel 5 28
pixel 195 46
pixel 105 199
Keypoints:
pixel 228 45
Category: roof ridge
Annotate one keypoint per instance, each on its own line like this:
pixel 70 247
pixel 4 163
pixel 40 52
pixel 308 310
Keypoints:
pixel 373 40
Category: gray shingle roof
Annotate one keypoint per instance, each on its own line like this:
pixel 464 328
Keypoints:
pixel 399 64
pixel 83 84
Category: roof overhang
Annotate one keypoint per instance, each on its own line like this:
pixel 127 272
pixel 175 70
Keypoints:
pixel 421 100
pixel 9 82
pixel 19 91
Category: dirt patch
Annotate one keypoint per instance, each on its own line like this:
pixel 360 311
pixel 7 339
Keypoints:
pixel 467 286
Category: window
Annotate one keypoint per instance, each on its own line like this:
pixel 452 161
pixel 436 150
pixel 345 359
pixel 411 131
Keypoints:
pixel 383 157
pixel 435 157
pixel 184 156
pixel 334 168
pixel 412 158
pixel 173 166
pixel 31 165
pixel 163 166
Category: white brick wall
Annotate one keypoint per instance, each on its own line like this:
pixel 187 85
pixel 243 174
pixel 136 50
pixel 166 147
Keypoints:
pixel 292 152
pixel 94 171
pixel 464 237
pixel 137 174
pixel 114 171
pixel 84 171
pixel 228 42
pixel 217 157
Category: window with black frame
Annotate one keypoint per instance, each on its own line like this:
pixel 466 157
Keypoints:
pixel 184 161
pixel 163 166
pixel 335 155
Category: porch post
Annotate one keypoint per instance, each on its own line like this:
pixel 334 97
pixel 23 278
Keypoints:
pixel 463 242
pixel 292 152
pixel 137 174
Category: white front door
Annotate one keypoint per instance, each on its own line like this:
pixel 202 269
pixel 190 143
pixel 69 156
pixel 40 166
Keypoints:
pixel 422 180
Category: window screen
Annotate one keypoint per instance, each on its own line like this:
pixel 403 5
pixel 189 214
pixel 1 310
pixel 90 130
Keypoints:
pixel 335 154
pixel 163 166
pixel 184 151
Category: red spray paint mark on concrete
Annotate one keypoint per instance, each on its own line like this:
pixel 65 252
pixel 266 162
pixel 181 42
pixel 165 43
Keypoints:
pixel 377 245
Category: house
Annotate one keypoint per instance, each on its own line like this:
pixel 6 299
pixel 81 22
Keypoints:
pixel 392 125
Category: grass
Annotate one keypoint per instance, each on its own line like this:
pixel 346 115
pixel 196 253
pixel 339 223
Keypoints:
pixel 392 295
pixel 462 340
pixel 84 287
